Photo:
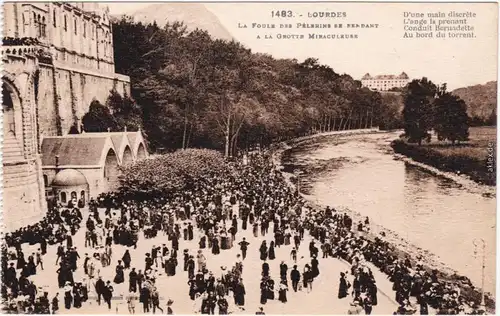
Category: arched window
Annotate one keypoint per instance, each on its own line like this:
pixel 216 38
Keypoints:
pixel 63 197
pixel 84 29
pixel 45 180
pixel 9 122
pixel 73 195
pixel 43 27
pixel 74 26
pixel 54 19
pixel 65 23
pixel 82 196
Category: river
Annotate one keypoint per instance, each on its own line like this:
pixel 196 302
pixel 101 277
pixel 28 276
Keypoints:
pixel 433 214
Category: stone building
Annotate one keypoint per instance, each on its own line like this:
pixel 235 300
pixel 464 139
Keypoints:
pixel 385 82
pixel 57 57
pixel 89 160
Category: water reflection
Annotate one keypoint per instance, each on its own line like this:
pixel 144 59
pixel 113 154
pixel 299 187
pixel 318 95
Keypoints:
pixel 432 212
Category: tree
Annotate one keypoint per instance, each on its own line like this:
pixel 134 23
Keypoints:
pixel 125 111
pixel 98 118
pixel 451 120
pixel 417 113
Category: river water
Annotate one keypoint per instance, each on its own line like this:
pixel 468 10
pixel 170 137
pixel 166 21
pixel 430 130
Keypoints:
pixel 430 212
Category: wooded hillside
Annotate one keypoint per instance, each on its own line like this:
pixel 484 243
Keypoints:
pixel 481 102
pixel 195 91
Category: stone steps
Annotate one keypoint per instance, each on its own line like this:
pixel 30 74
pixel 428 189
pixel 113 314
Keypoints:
pixel 11 149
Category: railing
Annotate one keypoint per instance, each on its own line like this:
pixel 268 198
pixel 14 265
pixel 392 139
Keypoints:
pixel 18 50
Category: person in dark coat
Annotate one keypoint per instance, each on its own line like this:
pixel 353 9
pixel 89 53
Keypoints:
pixel 234 224
pixel 272 255
pixel 191 266
pixel 145 298
pixel 148 262
pixel 283 270
pixel 244 247
pixel 343 286
pixel 126 259
pixel 215 246
pixel 43 245
pixel 31 265
pixel 119 277
pixel 69 241
pixel 132 277
pixel 100 287
pixel 314 267
pixel 21 262
pixel 171 266
pixel 68 298
pixel 203 242
pixel 263 250
pixel 212 302
pixel 190 232
pixel 55 304
pixel 282 292
pixel 77 298
pixel 86 264
pixel 263 291
pixel 155 301
pixel 367 305
pixel 239 293
pixel 265 269
pixel 256 229
pixel 186 259
pixel 295 277
pixel 223 305
pixel 108 294
pixel 175 243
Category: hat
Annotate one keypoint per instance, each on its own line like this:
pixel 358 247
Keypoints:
pixel 170 302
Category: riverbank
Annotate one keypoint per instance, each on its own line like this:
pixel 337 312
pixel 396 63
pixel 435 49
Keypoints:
pixel 400 246
pixel 475 168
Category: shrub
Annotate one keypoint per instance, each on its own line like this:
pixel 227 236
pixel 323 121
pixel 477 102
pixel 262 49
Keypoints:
pixel 171 172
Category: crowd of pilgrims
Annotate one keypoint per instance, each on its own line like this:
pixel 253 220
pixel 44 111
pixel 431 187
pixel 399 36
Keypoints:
pixel 254 197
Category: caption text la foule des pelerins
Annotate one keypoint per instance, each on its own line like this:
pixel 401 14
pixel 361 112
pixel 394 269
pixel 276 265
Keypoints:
pixel 340 28
pixel 439 24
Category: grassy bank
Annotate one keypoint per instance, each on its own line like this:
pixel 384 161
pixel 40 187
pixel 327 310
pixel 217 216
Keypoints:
pixel 470 158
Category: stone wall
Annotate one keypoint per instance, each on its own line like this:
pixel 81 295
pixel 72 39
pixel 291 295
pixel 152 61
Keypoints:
pixel 74 89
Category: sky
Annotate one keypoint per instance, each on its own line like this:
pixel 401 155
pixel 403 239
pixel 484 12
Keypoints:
pixel 458 62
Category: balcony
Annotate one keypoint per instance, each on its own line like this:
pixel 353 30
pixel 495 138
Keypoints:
pixel 40 52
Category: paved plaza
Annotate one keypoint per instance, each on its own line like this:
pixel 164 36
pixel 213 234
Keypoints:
pixel 322 300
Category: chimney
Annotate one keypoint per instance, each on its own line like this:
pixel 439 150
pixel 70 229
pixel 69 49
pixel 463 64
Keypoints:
pixel 57 164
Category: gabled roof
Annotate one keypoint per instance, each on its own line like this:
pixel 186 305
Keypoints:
pixel 87 149
pixel 73 151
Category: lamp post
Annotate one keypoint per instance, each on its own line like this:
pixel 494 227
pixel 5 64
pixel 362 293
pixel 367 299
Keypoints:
pixel 483 265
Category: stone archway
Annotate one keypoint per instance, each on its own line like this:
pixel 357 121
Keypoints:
pixel 12 122
pixel 111 171
pixel 127 157
pixel 141 152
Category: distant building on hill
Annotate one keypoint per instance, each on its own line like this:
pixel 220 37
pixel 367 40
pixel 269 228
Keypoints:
pixel 385 82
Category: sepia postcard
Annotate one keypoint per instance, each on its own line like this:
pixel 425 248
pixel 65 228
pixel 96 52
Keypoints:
pixel 254 158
